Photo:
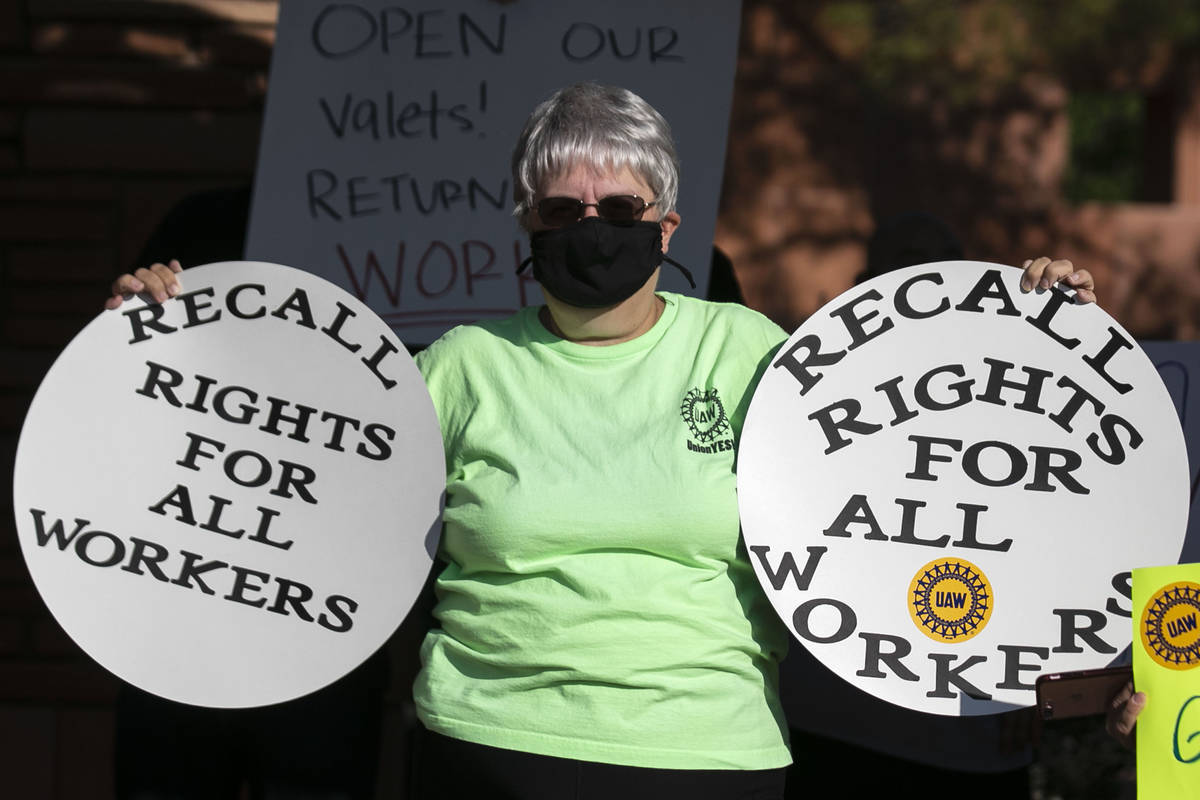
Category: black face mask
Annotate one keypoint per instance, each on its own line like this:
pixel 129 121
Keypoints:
pixel 596 263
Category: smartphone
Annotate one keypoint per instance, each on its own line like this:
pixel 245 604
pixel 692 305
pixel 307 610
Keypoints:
pixel 1062 695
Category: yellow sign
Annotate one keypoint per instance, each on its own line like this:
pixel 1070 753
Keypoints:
pixel 1166 666
pixel 950 600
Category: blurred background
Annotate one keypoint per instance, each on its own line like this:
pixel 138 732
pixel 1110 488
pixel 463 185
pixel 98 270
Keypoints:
pixel 1069 128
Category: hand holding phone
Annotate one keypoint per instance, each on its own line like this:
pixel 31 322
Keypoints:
pixel 1062 695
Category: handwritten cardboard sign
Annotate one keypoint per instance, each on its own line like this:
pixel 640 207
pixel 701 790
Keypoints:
pixel 384 163
pixel 231 499
pixel 1166 666
pixel 944 484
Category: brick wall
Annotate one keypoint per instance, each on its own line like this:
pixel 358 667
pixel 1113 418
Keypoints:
pixel 109 113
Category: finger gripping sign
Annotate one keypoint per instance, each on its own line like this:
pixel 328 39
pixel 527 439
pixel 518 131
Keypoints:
pixel 231 499
pixel 944 483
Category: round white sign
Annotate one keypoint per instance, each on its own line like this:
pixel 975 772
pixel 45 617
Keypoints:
pixel 944 483
pixel 234 498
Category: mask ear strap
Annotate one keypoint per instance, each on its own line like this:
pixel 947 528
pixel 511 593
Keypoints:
pixel 529 260
pixel 678 266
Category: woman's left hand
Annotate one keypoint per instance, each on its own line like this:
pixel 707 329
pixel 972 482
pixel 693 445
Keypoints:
pixel 1042 273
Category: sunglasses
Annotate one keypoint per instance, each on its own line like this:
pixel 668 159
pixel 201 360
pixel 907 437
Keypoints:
pixel 559 211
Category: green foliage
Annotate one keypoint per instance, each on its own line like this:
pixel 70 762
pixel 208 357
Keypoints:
pixel 1096 29
pixel 1106 147
pixel 967 47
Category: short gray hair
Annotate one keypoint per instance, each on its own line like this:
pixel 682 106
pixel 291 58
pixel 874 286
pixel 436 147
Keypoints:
pixel 604 127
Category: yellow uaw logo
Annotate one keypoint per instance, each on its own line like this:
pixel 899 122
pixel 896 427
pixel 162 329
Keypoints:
pixel 950 600
pixel 1170 629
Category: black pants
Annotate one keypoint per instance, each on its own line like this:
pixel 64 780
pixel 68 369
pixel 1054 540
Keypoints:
pixel 829 768
pixel 324 746
pixel 451 769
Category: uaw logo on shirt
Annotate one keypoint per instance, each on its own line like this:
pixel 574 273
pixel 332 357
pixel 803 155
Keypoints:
pixel 707 421
pixel 1169 627
pixel 950 600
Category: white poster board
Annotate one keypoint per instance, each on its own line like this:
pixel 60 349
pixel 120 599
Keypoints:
pixel 944 483
pixel 817 701
pixel 233 498
pixel 384 161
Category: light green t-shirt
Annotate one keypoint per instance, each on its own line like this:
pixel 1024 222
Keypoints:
pixel 598 603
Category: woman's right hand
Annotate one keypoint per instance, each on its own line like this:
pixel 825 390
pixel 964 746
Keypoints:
pixel 160 281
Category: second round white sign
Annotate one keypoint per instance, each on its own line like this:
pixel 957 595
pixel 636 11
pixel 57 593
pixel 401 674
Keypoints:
pixel 944 483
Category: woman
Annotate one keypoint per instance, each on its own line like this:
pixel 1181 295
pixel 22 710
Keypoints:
pixel 601 631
